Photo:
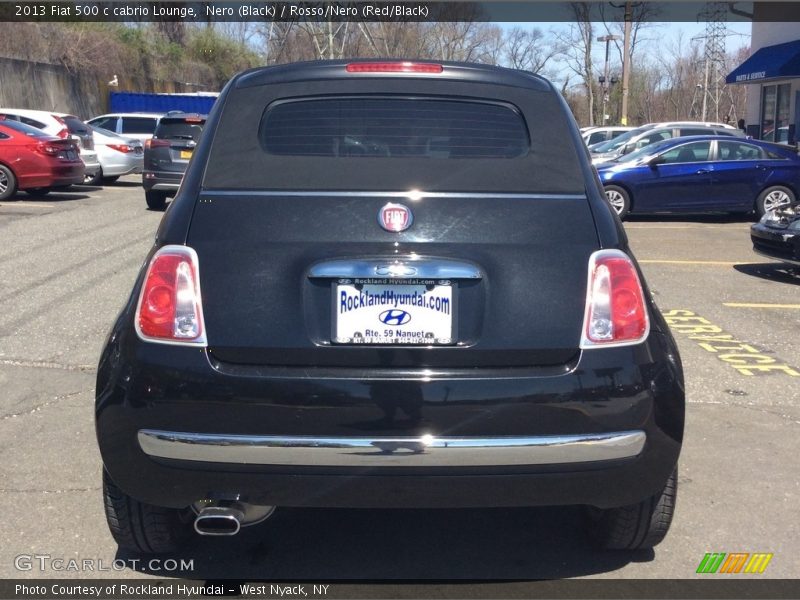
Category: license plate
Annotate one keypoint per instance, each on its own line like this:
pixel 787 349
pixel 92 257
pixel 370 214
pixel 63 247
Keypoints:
pixel 380 311
pixel 187 154
pixel 72 155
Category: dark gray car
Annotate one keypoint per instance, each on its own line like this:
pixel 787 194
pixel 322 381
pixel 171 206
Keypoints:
pixel 167 154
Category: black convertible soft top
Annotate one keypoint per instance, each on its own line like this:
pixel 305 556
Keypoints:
pixel 243 154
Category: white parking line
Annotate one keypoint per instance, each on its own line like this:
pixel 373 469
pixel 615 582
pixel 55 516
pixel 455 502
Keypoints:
pixel 760 305
pixel 26 204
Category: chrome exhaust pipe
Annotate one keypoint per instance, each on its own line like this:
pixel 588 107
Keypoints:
pixel 218 520
pixel 227 517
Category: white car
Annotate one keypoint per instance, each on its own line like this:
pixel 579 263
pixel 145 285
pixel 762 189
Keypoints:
pixel 117 155
pixel 61 125
pixel 596 135
pixel 140 126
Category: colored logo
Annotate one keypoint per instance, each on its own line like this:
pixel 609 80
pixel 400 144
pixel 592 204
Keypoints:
pixel 734 562
pixel 394 317
pixel 395 217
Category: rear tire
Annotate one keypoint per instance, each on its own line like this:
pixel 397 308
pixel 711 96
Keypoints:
pixel 773 197
pixel 619 199
pixel 637 526
pixel 93 179
pixel 38 191
pixel 8 183
pixel 143 528
pixel 156 200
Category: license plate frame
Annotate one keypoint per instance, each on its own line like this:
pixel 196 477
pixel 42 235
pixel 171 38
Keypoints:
pixel 431 304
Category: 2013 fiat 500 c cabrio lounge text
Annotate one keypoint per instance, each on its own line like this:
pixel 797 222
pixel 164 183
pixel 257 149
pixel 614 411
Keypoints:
pixel 388 284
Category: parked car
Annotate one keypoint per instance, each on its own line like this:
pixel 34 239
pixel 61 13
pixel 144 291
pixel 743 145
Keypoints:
pixel 414 294
pixel 61 125
pixel 140 126
pixel 32 161
pixel 118 155
pixel 598 135
pixel 777 234
pixel 167 154
pixel 702 174
pixel 656 132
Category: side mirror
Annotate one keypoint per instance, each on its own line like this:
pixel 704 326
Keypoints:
pixel 655 161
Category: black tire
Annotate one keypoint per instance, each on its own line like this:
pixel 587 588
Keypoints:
pixel 38 191
pixel 144 528
pixel 93 179
pixel 156 200
pixel 619 199
pixel 110 180
pixel 773 196
pixel 8 183
pixel 637 526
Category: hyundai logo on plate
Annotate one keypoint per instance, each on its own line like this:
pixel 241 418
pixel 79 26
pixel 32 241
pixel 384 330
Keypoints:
pixel 394 317
pixel 395 217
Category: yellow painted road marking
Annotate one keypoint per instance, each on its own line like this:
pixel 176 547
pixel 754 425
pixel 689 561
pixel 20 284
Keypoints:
pixel 27 204
pixel 759 305
pixel 715 263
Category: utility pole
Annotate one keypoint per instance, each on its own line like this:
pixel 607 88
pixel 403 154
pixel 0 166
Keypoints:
pixel 714 14
pixel 604 80
pixel 626 63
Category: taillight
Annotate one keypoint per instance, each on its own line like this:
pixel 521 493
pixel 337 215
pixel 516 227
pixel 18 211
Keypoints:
pixel 616 313
pixel 155 143
pixel 64 133
pixel 393 67
pixel 170 308
pixel 48 149
pixel 124 148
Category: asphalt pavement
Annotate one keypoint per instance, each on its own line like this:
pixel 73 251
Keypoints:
pixel 68 262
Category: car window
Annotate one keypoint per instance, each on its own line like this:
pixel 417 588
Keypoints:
pixel 7 117
pixel 738 151
pixel 23 128
pixel 594 138
pixel 109 123
pixel 138 125
pixel 653 137
pixel 618 132
pixel 3 136
pixel 685 153
pixel 32 122
pixel 188 128
pixel 696 131
pixel 394 127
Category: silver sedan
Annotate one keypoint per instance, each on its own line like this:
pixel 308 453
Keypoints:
pixel 118 155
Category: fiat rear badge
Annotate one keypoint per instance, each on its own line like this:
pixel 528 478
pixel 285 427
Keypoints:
pixel 395 217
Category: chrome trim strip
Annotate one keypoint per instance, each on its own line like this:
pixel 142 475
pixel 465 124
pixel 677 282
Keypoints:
pixel 412 195
pixel 417 267
pixel 424 451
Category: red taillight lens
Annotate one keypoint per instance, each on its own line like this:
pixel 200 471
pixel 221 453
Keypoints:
pixel 48 149
pixel 616 313
pixel 155 143
pixel 63 134
pixel 170 307
pixel 393 67
pixel 124 148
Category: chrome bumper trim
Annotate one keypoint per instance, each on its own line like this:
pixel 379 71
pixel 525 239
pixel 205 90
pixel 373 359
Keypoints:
pixel 424 451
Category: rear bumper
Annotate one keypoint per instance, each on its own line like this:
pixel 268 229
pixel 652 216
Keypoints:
pixel 161 180
pixel 174 426
pixel 778 244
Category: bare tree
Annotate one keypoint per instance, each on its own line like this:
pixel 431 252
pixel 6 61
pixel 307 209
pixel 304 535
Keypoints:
pixel 529 49
pixel 577 45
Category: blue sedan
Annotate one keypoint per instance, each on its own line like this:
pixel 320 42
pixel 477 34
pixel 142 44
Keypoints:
pixel 703 174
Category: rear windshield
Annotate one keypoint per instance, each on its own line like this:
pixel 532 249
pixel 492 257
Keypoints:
pixel 393 127
pixel 394 134
pixel 76 126
pixel 180 129
pixel 23 128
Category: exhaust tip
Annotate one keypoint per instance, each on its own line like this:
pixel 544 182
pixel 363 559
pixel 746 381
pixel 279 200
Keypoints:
pixel 218 520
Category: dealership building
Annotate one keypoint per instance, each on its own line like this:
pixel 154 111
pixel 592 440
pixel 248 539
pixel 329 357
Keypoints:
pixel 772 76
